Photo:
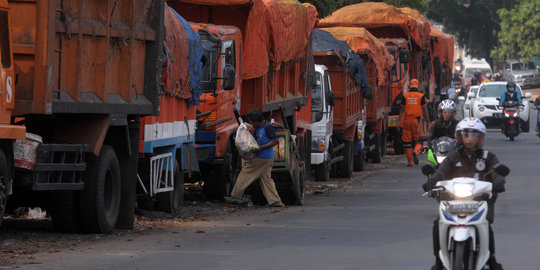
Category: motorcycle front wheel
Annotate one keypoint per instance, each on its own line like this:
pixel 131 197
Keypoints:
pixel 462 258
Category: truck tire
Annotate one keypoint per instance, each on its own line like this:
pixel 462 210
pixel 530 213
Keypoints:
pixel 384 142
pixel 398 143
pixel 223 176
pixel 322 171
pixel 298 186
pixel 172 201
pixel 64 210
pixel 375 155
pixel 346 165
pixel 100 198
pixel 359 161
pixel 4 178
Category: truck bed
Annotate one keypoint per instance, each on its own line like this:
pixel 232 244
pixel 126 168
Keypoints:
pixel 92 57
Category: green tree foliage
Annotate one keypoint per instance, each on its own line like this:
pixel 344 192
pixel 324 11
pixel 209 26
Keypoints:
pixel 474 23
pixel 520 31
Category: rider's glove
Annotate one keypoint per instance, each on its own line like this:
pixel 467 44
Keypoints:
pixel 498 187
pixel 427 186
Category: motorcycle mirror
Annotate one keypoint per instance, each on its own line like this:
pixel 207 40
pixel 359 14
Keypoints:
pixel 502 169
pixel 428 170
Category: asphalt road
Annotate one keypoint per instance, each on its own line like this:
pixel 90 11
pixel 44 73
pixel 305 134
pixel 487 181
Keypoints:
pixel 383 223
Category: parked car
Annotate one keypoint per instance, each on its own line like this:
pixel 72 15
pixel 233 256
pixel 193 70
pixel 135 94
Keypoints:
pixel 485 106
pixel 468 99
pixel 525 75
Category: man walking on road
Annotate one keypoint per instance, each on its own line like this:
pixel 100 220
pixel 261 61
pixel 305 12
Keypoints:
pixel 413 106
pixel 261 165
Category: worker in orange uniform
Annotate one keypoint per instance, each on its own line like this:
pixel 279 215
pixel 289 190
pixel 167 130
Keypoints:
pixel 413 106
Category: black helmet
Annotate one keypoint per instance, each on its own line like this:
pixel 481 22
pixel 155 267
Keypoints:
pixel 511 86
pixel 474 81
pixel 477 73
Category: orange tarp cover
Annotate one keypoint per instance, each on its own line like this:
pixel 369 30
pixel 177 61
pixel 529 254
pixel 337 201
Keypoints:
pixel 443 46
pixel 423 24
pixel 375 15
pixel 175 68
pixel 277 31
pixel 362 41
pixel 218 2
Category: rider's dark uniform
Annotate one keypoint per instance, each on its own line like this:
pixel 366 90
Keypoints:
pixel 439 128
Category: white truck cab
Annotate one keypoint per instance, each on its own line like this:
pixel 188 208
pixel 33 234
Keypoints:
pixel 321 120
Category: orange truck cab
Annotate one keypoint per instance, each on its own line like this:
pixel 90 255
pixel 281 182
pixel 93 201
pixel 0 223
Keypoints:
pixel 398 48
pixel 7 79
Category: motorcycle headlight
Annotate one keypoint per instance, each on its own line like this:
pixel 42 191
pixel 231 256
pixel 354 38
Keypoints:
pixel 440 159
pixel 506 114
pixel 463 190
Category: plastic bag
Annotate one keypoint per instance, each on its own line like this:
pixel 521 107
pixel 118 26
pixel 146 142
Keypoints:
pixel 245 143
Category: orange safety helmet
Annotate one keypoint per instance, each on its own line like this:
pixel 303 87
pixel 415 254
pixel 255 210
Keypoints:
pixel 414 83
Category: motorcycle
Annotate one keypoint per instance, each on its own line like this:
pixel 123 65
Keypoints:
pixel 438 149
pixel 510 119
pixel 463 227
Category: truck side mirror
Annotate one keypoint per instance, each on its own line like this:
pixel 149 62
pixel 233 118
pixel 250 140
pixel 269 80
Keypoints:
pixel 528 95
pixel 404 55
pixel 331 98
pixel 229 77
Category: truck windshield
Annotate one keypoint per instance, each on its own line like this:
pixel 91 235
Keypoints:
pixel 316 94
pixel 4 40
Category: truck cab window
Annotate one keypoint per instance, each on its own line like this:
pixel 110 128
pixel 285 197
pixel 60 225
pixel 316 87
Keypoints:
pixel 327 88
pixel 316 99
pixel 4 40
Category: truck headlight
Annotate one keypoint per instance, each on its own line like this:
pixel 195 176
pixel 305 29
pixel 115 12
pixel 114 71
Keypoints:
pixel 317 144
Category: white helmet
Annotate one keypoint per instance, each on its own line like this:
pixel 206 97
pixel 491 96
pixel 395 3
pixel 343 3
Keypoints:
pixel 471 125
pixel 447 105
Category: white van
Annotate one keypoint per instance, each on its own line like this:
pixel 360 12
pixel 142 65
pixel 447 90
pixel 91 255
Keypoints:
pixel 473 65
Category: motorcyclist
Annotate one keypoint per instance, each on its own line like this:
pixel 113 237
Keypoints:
pixel 445 125
pixel 511 94
pixel 487 78
pixel 469 160
pixel 498 77
pixel 474 81
pixel 478 76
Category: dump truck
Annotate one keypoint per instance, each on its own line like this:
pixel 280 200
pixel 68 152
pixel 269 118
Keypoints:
pixel 273 61
pixel 377 104
pixel 78 77
pixel 337 106
pixel 443 57
pixel 388 22
pixel 167 141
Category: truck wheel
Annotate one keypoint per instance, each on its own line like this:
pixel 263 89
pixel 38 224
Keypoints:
pixel 384 142
pixel 100 198
pixel 322 171
pixel 346 166
pixel 64 211
pixel 525 126
pixel 220 179
pixel 172 201
pixel 298 186
pixel 398 143
pixel 359 161
pixel 4 178
pixel 375 155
